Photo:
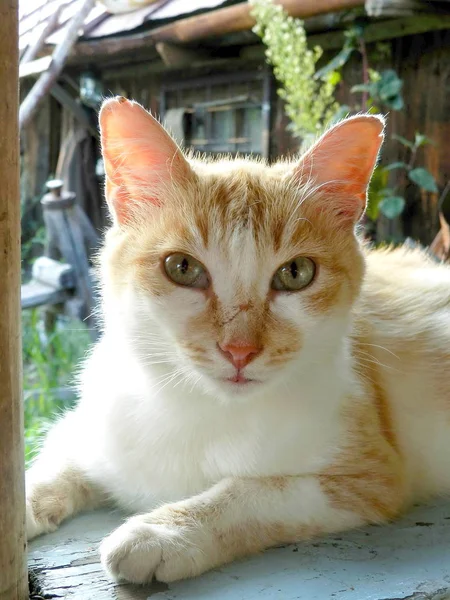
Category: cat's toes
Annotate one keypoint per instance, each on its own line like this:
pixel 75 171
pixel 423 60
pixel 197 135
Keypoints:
pixel 46 507
pixel 143 549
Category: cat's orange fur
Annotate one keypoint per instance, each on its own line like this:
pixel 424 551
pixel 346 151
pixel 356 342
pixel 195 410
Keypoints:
pixel 349 422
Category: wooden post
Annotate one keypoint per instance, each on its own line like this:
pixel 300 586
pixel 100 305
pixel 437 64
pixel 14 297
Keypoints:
pixel 13 572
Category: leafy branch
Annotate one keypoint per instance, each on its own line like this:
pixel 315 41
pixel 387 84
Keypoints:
pixel 309 99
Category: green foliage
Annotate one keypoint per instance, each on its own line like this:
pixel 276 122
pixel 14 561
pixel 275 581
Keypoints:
pixel 386 200
pixel 423 179
pixel 310 103
pixel 336 63
pixel 392 206
pixel 377 191
pixel 48 362
pixel 396 165
pixel 385 88
pixel 308 93
pixel 421 140
pixel 351 37
pixel 403 141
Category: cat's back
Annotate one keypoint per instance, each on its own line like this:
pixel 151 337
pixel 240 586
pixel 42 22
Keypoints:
pixel 405 298
pixel 402 350
pixel 411 270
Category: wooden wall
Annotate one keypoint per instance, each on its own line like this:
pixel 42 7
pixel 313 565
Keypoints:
pixel 423 62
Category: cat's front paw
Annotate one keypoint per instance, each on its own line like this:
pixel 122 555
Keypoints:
pixel 46 507
pixel 166 545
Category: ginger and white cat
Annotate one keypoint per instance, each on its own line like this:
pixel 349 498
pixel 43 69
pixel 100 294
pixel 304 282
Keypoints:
pixel 261 378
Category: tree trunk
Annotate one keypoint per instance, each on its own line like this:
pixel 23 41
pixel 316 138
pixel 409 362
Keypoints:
pixel 13 573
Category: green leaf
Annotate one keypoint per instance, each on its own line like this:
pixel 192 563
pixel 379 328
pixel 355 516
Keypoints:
pixel 421 140
pixel 389 84
pixel 396 165
pixel 374 110
pixel 361 87
pixel 335 63
pixel 334 78
pixel 403 141
pixel 396 102
pixel 392 206
pixel 377 191
pixel 423 179
pixel 355 32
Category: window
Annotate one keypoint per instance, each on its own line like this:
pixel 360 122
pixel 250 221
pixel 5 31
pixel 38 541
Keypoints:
pixel 227 114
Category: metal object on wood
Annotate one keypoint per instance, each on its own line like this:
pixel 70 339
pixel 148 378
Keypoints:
pixel 72 238
pixel 52 283
pixel 13 571
pixel 54 273
pixel 65 286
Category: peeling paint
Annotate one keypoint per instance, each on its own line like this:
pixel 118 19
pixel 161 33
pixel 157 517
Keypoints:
pixel 443 594
pixel 407 560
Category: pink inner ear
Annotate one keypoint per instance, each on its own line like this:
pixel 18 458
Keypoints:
pixel 139 155
pixel 341 163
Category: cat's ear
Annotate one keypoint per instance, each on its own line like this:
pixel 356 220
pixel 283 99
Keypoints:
pixel 340 164
pixel 140 157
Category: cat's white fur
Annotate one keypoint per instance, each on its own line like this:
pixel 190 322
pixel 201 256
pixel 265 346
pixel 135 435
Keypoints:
pixel 220 471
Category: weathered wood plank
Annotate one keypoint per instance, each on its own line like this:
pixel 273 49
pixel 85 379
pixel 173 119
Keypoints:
pixel 408 559
pixel 219 22
pixel 66 563
pixel 36 294
pixel 13 575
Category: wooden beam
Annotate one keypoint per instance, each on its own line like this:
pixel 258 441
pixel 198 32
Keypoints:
pixel 239 18
pixel 33 49
pixel 386 30
pixel 215 23
pixel 35 67
pixel 49 77
pixel 175 56
pixel 69 102
pixel 376 31
pixel 13 572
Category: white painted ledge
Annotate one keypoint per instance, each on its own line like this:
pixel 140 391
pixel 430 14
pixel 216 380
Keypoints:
pixel 407 560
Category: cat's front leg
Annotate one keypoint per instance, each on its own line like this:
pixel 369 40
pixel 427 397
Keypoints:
pixel 54 496
pixel 57 486
pixel 243 516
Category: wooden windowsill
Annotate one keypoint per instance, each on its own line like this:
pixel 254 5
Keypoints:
pixel 409 559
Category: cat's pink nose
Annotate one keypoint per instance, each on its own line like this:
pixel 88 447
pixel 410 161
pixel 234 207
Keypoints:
pixel 239 355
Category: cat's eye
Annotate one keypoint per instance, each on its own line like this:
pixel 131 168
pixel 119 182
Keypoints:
pixel 294 275
pixel 185 270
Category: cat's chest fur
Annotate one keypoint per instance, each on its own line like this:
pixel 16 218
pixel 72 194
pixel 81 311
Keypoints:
pixel 152 448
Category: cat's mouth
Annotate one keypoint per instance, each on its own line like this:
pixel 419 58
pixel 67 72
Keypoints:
pixel 240 379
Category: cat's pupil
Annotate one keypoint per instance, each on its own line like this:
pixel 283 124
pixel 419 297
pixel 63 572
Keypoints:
pixel 184 265
pixel 294 269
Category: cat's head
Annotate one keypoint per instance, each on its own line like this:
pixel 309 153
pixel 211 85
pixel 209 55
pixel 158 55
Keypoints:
pixel 229 273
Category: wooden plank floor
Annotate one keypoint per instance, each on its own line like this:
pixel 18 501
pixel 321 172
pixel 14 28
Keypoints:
pixel 408 560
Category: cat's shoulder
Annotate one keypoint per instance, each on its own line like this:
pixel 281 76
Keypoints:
pixel 404 282
pixel 404 258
